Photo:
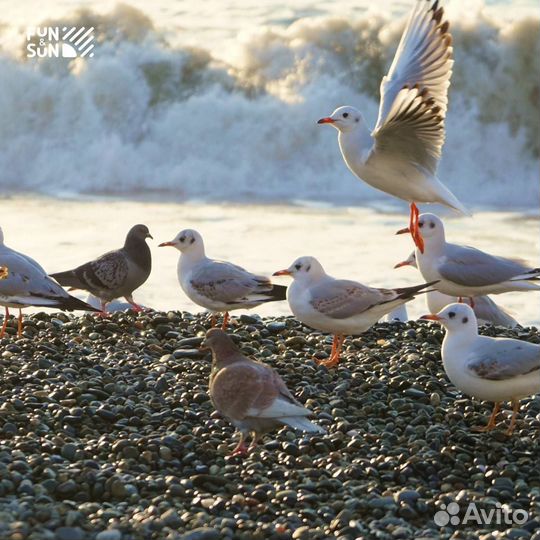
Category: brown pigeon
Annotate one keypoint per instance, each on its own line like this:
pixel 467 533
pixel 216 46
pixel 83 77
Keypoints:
pixel 250 394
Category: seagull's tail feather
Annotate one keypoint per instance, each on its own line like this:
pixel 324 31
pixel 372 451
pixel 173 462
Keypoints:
pixel 276 293
pixel 303 424
pixel 533 274
pixel 68 279
pixel 446 197
pixel 406 293
pixel 71 303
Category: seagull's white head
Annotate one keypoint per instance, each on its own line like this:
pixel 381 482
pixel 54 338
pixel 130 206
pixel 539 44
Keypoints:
pixel 458 319
pixel 185 241
pixel 431 228
pixel 344 119
pixel 303 269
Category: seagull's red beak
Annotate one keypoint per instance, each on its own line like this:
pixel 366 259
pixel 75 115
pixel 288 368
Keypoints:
pixel 282 273
pixel 404 231
pixel 431 317
pixel 163 244
pixel 327 120
pixel 402 263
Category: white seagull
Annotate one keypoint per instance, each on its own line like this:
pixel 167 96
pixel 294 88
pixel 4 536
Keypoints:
pixel 466 271
pixel 27 284
pixel 338 306
pixel 219 286
pixel 485 309
pixel 400 156
pixel 490 369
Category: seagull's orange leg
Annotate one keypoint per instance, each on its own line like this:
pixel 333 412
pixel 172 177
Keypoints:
pixel 492 419
pixel 19 325
pixel 413 227
pixel 225 321
pixel 471 301
pixel 515 410
pixel 334 357
pixel 4 326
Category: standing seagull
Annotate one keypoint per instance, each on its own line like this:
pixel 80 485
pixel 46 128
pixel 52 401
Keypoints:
pixel 25 283
pixel 250 394
pixel 219 286
pixel 466 271
pixel 338 306
pixel 490 369
pixel 115 274
pixel 400 156
pixel 485 309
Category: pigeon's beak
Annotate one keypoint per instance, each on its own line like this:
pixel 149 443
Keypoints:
pixel 404 231
pixel 431 317
pixel 282 273
pixel 326 120
pixel 402 263
pixel 163 244
pixel 149 236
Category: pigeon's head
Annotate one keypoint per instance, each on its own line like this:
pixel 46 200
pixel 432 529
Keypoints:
pixel 222 346
pixel 304 268
pixel 139 232
pixel 344 119
pixel 409 261
pixel 186 240
pixel 431 228
pixel 456 318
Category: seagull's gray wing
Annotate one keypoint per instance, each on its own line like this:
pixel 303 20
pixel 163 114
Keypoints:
pixel 224 282
pixel 340 298
pixel 414 93
pixel 501 359
pixel 487 310
pixel 473 268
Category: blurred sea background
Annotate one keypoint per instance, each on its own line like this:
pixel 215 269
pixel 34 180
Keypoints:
pixel 203 115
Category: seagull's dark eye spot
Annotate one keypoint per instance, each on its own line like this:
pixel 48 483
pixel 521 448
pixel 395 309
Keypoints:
pixel 357 119
pixel 182 239
pixel 465 320
pixel 345 114
pixel 298 266
pixel 451 314
pixel 432 225
pixel 420 224
pixel 308 268
pixel 192 240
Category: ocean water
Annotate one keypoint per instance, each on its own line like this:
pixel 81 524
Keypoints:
pixel 218 101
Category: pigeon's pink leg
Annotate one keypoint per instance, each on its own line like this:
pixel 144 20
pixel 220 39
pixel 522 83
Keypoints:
pixel 19 325
pixel 136 307
pixel 492 419
pixel 413 227
pixel 225 321
pixel 241 449
pixel 103 312
pixel 4 326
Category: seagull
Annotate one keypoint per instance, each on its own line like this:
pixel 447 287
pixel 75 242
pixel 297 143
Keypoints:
pixel 466 271
pixel 490 369
pixel 116 273
pixel 219 286
pixel 485 309
pixel 25 283
pixel 400 156
pixel 250 394
pixel 338 306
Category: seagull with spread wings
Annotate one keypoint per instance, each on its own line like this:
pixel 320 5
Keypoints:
pixel 339 306
pixel 400 156
pixel 490 369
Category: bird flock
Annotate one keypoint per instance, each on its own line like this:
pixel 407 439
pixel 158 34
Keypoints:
pixel 399 157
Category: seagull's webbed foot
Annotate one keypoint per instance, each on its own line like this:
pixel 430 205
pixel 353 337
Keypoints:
pixel 415 230
pixel 492 423
pixel 515 411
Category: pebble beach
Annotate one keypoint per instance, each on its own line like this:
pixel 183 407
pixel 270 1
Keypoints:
pixel 107 433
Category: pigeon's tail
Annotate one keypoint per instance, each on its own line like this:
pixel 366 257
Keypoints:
pixel 68 279
pixel 303 424
pixel 276 293
pixel 407 293
pixel 74 304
